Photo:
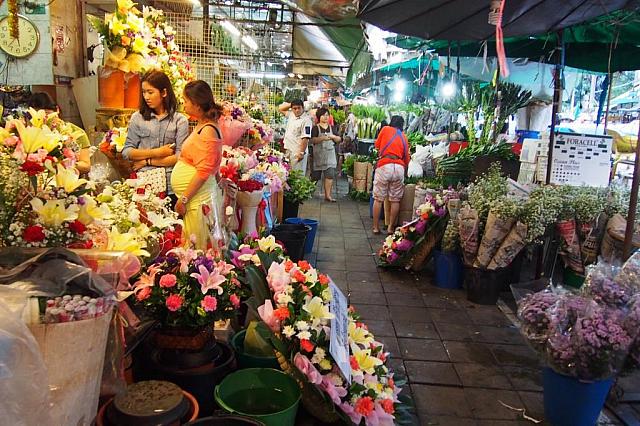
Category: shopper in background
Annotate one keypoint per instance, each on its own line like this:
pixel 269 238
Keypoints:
pixel 156 132
pixel 195 175
pixel 42 100
pixel 297 134
pixel 323 139
pixel 391 169
pixel 348 144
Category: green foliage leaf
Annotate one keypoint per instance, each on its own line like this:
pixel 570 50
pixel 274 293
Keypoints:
pixel 258 284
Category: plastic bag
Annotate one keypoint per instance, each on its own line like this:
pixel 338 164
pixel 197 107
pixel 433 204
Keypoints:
pixel 23 376
pixel 601 285
pixel 533 311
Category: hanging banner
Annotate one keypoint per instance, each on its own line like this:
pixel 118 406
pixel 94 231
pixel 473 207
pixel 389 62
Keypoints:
pixel 581 160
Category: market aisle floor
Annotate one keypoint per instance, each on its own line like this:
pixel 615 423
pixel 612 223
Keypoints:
pixel 462 360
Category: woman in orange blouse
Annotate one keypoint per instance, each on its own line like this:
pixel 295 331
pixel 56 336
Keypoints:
pixel 194 177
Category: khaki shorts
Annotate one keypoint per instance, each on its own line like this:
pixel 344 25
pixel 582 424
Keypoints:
pixel 389 182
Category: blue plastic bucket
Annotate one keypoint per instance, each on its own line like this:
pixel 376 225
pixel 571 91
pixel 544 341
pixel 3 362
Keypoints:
pixel 311 236
pixel 527 134
pixel 570 402
pixel 449 270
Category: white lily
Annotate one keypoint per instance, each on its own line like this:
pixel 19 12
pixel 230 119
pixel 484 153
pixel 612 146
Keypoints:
pixel 53 212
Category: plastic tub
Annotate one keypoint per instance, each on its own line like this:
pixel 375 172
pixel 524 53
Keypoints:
pixel 293 237
pixel 251 361
pixel 265 394
pixel 484 286
pixel 449 270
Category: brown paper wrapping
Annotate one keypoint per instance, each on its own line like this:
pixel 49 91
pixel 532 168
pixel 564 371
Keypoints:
pixel 406 204
pixel 571 251
pixel 360 176
pixel 418 199
pixel 468 224
pixel 510 247
pixel 453 206
pixel 495 232
pixel 370 170
pixel 591 245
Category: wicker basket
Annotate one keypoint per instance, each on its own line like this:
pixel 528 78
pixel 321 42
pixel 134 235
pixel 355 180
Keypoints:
pixel 312 402
pixel 419 259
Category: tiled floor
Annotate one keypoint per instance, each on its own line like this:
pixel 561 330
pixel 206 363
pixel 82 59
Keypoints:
pixel 465 363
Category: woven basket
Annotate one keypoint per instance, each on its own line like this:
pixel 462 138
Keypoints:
pixel 422 252
pixel 312 402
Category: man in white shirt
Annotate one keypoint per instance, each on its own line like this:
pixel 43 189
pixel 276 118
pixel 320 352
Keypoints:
pixel 297 134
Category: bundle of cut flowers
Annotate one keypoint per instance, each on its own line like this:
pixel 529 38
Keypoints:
pixel 398 247
pixel 41 193
pixel 298 311
pixel 590 335
pixel 190 288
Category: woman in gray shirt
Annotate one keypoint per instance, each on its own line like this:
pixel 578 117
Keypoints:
pixel 156 131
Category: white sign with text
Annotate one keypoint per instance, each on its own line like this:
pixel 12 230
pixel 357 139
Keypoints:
pixel 339 343
pixel 581 159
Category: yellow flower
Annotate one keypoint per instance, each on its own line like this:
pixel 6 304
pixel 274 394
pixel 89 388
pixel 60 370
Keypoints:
pixel 37 117
pixel 317 309
pixel 125 5
pixel 359 335
pixel 139 45
pixel 267 244
pixel 325 364
pixel 119 141
pixel 125 242
pixel 135 23
pixel 34 138
pixel 90 211
pixel 366 362
pixel 69 179
pixel 116 26
pixel 53 212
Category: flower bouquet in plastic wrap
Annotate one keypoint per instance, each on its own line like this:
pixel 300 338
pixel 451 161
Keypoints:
pixel 411 243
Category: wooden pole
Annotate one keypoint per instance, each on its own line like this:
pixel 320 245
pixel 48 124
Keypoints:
pixel 633 203
pixel 557 99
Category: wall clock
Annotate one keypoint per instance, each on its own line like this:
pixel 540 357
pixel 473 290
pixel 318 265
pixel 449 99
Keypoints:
pixel 27 41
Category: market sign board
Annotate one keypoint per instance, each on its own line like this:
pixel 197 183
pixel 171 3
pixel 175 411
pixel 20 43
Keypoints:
pixel 580 159
pixel 339 343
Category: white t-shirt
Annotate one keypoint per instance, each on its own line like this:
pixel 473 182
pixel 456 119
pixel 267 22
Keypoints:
pixel 297 128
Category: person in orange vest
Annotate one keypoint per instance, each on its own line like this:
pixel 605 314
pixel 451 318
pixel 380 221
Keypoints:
pixel 391 169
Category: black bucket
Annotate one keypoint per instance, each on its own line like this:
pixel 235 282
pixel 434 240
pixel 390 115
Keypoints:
pixel 484 286
pixel 289 209
pixel 293 237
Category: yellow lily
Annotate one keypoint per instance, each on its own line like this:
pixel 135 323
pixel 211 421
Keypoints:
pixel 35 138
pixel 37 117
pixel 69 179
pixel 53 212
pixel 125 5
pixel 116 26
pixel 366 362
pixel 135 23
pixel 359 335
pixel 90 211
pixel 317 309
pixel 267 244
pixel 139 45
pixel 126 242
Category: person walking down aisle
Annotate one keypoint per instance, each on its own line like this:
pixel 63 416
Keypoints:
pixel 391 169
pixel 297 134
pixel 323 139
pixel 194 177
pixel 156 132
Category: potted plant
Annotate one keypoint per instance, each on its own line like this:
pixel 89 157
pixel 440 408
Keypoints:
pixel 300 189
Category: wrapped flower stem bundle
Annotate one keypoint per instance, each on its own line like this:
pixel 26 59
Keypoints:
pixel 572 257
pixel 510 247
pixel 501 218
pixel 468 223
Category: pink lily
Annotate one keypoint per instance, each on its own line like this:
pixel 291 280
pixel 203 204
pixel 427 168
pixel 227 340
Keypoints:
pixel 147 279
pixel 267 315
pixel 209 281
pixel 185 257
pixel 235 256
pixel 223 267
pixel 303 364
